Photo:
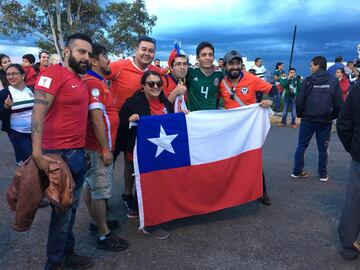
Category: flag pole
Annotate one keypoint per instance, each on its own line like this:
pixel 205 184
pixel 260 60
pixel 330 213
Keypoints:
pixel 292 48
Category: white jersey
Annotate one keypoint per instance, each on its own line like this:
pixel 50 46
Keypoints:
pixel 259 71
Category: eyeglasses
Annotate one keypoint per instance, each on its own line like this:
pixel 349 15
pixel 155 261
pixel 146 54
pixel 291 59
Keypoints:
pixel 12 74
pixel 151 84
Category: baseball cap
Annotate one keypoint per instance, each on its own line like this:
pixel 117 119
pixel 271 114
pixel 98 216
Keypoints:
pixel 231 55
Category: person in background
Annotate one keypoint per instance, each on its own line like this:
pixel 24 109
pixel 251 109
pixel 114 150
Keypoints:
pixel 16 104
pixel 291 85
pixel 4 63
pixel 43 62
pixel 28 61
pixel 157 63
pixel 278 73
pixel 344 82
pixel 54 59
pixel 338 64
pixel 353 72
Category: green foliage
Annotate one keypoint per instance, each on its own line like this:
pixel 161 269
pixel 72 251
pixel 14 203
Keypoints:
pixel 116 26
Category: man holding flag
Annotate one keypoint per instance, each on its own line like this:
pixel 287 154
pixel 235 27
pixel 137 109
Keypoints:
pixel 239 89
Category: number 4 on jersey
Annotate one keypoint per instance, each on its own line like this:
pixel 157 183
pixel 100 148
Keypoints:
pixel 205 90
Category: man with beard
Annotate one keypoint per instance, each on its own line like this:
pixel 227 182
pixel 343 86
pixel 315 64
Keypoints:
pixel 59 121
pixel 203 81
pixel 125 79
pixel 239 89
pixel 174 83
pixel 100 139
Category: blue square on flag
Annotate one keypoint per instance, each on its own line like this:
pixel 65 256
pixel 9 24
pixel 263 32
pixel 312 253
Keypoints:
pixel 162 142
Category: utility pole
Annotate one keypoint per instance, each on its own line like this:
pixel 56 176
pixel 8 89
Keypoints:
pixel 292 47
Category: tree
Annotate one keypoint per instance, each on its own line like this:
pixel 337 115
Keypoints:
pixel 50 22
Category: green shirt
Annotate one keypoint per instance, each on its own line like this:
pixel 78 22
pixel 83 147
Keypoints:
pixel 202 89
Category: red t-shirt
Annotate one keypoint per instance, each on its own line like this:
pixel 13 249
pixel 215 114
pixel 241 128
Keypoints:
pixel 65 122
pixel 245 89
pixel 125 80
pixel 30 76
pixel 156 107
pixel 100 98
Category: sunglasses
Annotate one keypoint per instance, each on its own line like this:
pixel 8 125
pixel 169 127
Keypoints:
pixel 151 84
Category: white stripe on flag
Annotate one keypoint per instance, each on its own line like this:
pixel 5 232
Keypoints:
pixel 218 135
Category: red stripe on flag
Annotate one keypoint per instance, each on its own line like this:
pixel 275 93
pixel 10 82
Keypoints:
pixel 199 189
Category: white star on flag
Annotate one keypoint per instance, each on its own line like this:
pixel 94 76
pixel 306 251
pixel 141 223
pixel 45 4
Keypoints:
pixel 163 142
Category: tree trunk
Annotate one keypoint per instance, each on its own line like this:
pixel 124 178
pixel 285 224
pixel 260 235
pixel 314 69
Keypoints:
pixel 53 30
pixel 60 35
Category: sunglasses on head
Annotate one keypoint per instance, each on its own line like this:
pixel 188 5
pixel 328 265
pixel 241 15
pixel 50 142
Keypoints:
pixel 151 84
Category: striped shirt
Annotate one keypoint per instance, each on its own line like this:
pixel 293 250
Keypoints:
pixel 21 110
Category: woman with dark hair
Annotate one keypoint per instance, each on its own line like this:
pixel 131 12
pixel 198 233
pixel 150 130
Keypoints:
pixel 149 100
pixel 4 63
pixel 16 103
pixel 279 72
pixel 344 82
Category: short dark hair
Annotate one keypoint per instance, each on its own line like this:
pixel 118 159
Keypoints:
pixel 257 59
pixel 146 39
pixel 97 49
pixel 349 62
pixel 338 59
pixel 40 53
pixel 75 36
pixel 342 70
pixel 156 59
pixel 290 69
pixel 147 74
pixel 29 57
pixel 320 61
pixel 277 64
pixel 202 45
pixel 221 59
pixel 18 67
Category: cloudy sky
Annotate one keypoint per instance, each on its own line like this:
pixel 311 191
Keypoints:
pixel 256 28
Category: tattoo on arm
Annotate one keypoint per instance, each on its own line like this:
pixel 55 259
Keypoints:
pixel 35 127
pixel 40 98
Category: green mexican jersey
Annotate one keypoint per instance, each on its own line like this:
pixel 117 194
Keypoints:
pixel 202 89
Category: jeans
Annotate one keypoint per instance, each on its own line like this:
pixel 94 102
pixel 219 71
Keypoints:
pixel 277 100
pixel 349 227
pixel 289 103
pixel 22 145
pixel 323 133
pixel 61 239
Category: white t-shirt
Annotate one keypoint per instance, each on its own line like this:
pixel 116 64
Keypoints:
pixel 259 71
pixel 23 102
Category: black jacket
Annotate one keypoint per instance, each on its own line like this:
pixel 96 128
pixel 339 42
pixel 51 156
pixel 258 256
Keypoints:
pixel 137 104
pixel 4 113
pixel 348 123
pixel 319 98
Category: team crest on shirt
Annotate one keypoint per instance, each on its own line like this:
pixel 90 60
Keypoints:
pixel 165 111
pixel 44 81
pixel 95 93
pixel 244 90
pixel 216 82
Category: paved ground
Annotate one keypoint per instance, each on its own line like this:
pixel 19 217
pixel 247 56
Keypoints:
pixel 299 230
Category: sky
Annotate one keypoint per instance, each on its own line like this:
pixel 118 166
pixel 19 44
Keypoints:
pixel 256 28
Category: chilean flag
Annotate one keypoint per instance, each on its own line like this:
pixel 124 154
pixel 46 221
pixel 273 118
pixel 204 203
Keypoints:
pixel 198 163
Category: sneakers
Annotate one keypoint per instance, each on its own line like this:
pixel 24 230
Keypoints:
pixel 281 125
pixel 132 213
pixel 265 199
pixel 112 225
pixel 126 199
pixel 112 243
pixel 324 179
pixel 73 260
pixel 156 232
pixel 301 175
pixel 351 253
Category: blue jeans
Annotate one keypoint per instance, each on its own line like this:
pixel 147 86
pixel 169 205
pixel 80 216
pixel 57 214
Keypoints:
pixel 289 103
pixel 277 99
pixel 21 143
pixel 323 132
pixel 61 239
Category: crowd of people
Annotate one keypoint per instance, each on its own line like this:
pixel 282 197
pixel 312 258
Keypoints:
pixel 68 109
